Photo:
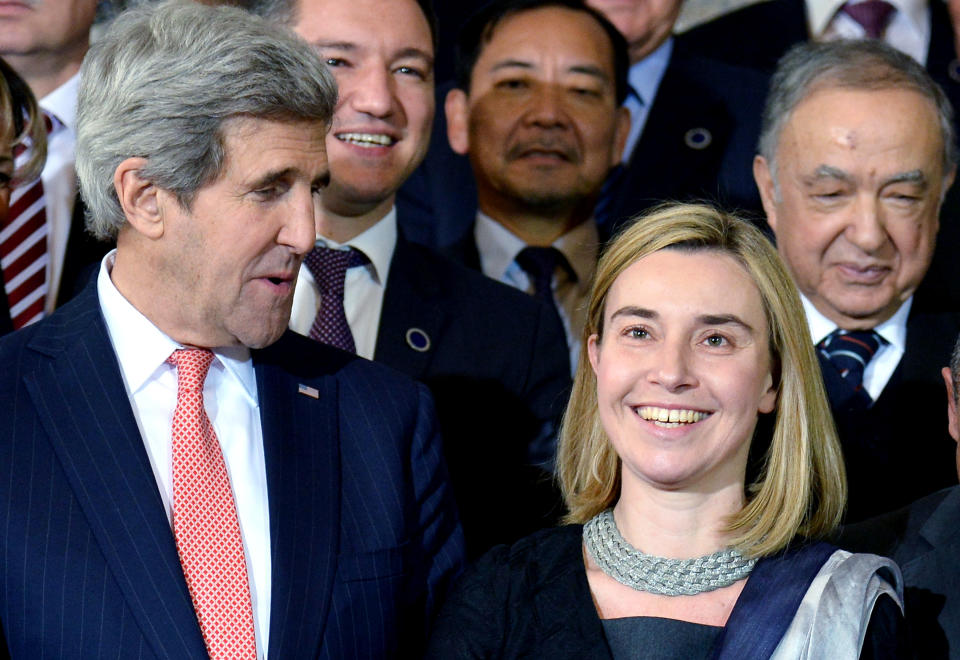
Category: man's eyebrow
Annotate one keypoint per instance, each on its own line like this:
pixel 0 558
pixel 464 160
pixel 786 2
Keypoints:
pixel 911 176
pixel 828 172
pixel 413 51
pixel 335 45
pixel 590 70
pixel 271 177
pixel 511 64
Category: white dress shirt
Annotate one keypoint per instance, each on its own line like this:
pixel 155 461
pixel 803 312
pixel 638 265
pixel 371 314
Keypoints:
pixel 498 248
pixel 230 399
pixel 644 78
pixel 363 286
pixel 907 31
pixel 59 180
pixel 881 367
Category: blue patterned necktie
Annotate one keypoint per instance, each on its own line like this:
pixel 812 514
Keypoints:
pixel 849 353
pixel 329 269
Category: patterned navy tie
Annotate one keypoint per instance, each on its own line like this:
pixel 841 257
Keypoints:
pixel 541 263
pixel 872 15
pixel 849 353
pixel 329 269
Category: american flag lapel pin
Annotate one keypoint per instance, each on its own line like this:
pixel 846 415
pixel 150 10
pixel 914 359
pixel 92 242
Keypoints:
pixel 311 392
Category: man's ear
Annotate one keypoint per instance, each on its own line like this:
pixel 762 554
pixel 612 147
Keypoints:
pixel 952 426
pixel 457 108
pixel 138 198
pixel 620 136
pixel 768 194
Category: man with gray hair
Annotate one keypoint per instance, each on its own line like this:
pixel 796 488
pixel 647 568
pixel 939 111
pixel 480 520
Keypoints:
pixel 856 153
pixel 183 478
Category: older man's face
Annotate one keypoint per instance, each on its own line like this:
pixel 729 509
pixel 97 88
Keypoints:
pixel 381 54
pixel 46 28
pixel 231 260
pixel 541 123
pixel 645 24
pixel 855 212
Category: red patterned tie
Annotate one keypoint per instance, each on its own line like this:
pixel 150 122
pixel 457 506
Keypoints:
pixel 205 519
pixel 23 248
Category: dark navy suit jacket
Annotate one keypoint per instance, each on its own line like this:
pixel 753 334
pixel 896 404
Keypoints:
pixel 363 533
pixel 498 367
pixel 899 449
pixel 924 540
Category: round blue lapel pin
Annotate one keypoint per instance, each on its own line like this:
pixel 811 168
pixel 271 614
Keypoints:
pixel 698 138
pixel 418 340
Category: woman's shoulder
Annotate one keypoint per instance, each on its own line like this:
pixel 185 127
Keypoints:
pixel 536 556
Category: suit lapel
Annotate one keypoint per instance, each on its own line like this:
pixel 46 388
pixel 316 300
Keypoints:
pixel 301 449
pixel 412 315
pixel 81 399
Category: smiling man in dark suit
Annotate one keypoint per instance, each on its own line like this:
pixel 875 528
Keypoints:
pixel 494 358
pixel 182 477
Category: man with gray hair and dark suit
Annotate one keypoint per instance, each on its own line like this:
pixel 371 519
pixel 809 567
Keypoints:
pixel 856 153
pixel 182 477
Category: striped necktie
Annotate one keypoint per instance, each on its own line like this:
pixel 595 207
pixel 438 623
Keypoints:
pixel 23 246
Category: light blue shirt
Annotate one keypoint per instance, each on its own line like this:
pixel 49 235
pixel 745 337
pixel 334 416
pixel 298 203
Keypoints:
pixel 644 78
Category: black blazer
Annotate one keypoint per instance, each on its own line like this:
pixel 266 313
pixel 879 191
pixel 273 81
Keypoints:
pixel 698 142
pixel 363 531
pixel 532 600
pixel 899 450
pixel 80 261
pixel 498 368
pixel 924 540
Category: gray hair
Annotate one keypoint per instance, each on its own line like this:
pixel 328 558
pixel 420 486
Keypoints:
pixel 163 80
pixel 867 64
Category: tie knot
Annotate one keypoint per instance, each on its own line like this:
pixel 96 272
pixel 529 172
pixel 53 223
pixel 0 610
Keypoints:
pixel 329 266
pixel 192 365
pixel 540 263
pixel 872 15
pixel 862 343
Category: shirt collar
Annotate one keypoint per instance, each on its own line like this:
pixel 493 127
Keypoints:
pixel 142 348
pixel 499 247
pixel 893 330
pixel 645 75
pixel 62 102
pixel 821 12
pixel 377 243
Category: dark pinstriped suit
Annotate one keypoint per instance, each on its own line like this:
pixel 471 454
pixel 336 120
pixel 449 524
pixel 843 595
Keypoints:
pixel 363 534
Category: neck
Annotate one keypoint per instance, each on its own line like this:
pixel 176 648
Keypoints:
pixel 45 73
pixel 538 227
pixel 678 525
pixel 135 274
pixel 343 224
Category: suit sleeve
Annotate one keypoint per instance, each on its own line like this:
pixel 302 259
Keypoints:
pixel 440 533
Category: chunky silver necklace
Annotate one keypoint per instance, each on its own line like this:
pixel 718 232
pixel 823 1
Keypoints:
pixel 660 575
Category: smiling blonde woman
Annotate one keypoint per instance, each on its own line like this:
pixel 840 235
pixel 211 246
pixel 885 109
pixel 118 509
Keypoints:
pixel 700 466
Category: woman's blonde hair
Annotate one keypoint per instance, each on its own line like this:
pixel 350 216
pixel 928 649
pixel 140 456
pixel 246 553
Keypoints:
pixel 20 118
pixel 801 486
